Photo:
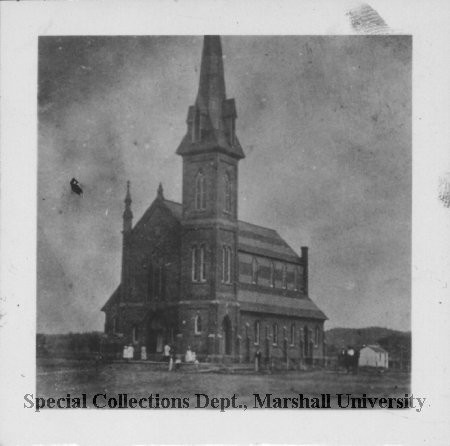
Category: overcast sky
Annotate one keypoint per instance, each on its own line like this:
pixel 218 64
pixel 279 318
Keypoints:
pixel 325 123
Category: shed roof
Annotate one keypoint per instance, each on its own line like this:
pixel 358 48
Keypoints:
pixel 255 302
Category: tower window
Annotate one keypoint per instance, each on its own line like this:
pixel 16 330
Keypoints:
pixel 226 264
pixel 200 192
pixel 227 187
pixel 254 270
pixel 198 263
pixel 194 269
pixel 257 330
pixel 197 324
pixel 202 264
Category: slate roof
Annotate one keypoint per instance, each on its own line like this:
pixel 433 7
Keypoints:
pixel 253 301
pixel 112 299
pixel 253 238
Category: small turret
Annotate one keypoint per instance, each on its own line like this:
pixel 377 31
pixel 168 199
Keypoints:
pixel 127 214
pixel 160 194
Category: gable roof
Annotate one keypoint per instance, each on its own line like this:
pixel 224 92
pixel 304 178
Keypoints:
pixel 265 242
pixel 376 348
pixel 174 208
pixel 113 298
pixel 253 239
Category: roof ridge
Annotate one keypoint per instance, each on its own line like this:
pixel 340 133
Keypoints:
pixel 172 201
pixel 259 226
pixel 239 221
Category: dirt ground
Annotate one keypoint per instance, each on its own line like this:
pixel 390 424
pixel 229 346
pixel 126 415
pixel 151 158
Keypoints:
pixel 59 378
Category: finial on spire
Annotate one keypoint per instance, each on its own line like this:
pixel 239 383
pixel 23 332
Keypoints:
pixel 211 90
pixel 160 192
pixel 128 195
pixel 127 214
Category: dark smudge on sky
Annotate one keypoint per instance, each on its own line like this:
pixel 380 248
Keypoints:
pixel 326 126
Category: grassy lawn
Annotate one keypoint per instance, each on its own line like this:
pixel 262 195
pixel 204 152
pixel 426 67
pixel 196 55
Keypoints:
pixel 57 378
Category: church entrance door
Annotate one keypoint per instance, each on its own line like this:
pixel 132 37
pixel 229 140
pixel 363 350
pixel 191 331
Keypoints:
pixel 226 328
pixel 156 334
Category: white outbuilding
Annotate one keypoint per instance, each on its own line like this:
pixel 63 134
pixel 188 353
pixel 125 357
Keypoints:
pixel 373 356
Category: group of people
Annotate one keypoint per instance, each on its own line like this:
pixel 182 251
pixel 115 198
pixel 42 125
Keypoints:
pixel 170 356
pixel 349 359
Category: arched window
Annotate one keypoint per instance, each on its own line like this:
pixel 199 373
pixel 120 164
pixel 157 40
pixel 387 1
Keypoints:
pixel 257 329
pixel 200 192
pixel 317 336
pixel 157 281
pixel 292 334
pixel 254 270
pixel 275 334
pixel 194 260
pixel 202 264
pixel 284 277
pixel 227 190
pixel 272 274
pixel 150 279
pixel 198 324
pixel 226 264
pixel 135 334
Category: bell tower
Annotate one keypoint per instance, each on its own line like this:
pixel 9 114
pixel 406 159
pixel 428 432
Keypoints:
pixel 211 151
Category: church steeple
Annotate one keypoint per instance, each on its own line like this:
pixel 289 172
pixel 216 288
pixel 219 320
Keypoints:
pixel 211 120
pixel 211 90
pixel 127 214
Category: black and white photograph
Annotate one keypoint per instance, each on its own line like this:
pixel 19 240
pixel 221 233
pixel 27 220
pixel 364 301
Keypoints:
pixel 225 213
pixel 224 222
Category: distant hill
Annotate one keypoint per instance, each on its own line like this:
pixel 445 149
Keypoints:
pixel 341 337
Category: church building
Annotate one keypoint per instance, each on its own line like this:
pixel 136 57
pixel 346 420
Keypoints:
pixel 195 275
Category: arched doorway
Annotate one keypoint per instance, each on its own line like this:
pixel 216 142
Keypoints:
pixel 226 328
pixel 156 335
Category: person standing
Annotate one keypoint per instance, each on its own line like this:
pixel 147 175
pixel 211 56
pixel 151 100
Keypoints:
pixel 166 353
pixel 257 360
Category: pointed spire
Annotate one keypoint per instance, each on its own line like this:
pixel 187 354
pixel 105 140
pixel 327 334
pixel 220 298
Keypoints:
pixel 128 195
pixel 127 214
pixel 160 192
pixel 211 90
pixel 211 120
